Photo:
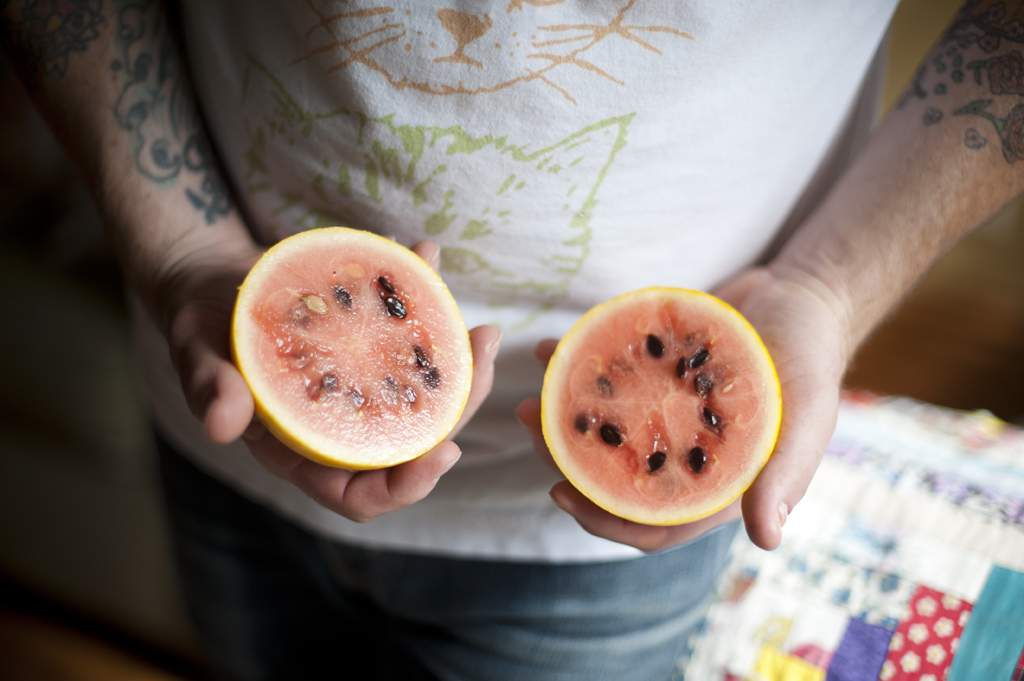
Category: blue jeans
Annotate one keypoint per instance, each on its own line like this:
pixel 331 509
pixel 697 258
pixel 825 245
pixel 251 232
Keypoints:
pixel 271 601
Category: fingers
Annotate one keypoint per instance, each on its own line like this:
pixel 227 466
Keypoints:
pixel 601 523
pixel 485 342
pixel 215 391
pixel 808 420
pixel 528 413
pixel 231 408
pixel 360 496
pixel 429 252
pixel 545 349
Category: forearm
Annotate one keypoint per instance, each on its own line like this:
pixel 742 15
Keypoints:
pixel 108 78
pixel 941 164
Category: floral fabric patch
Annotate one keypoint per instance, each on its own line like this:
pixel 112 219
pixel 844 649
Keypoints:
pixel 923 646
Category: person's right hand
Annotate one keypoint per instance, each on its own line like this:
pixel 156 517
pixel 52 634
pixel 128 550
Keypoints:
pixel 803 335
pixel 201 288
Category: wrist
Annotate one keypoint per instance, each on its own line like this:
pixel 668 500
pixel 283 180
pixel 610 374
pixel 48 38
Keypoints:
pixel 829 294
pixel 796 315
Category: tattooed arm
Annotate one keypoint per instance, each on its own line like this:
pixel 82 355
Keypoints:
pixel 945 160
pixel 108 77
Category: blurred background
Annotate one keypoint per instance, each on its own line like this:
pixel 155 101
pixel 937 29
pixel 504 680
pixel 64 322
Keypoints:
pixel 86 581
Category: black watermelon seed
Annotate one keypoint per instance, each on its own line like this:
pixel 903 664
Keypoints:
pixel 711 418
pixel 681 367
pixel 391 391
pixel 356 397
pixel 329 383
pixel 702 384
pixel 605 387
pixel 580 423
pixel 385 284
pixel 432 378
pixel 611 435
pixel 421 357
pixel 655 346
pixel 699 359
pixel 343 297
pixel 395 307
pixel 656 461
pixel 697 459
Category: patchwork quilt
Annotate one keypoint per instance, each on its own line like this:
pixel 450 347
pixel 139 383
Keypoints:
pixel 904 562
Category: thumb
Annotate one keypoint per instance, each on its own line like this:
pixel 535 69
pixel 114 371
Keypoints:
pixel 215 390
pixel 811 404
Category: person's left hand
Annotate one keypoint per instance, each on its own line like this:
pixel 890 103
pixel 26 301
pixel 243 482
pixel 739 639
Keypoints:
pixel 801 328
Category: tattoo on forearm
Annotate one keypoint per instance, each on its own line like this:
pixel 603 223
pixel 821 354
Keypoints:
pixel 44 33
pixel 978 49
pixel 156 108
pixel 154 102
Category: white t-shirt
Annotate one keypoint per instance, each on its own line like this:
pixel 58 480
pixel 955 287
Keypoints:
pixel 560 153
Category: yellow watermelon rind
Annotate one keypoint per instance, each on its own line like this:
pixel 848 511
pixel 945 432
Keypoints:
pixel 565 356
pixel 300 438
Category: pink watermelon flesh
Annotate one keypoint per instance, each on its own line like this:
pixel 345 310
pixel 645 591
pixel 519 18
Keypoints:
pixel 664 408
pixel 360 361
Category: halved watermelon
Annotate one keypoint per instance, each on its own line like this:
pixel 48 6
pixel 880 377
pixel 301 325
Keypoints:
pixel 353 347
pixel 661 405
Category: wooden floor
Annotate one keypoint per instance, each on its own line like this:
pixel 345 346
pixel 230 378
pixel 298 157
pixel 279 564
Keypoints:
pixel 35 649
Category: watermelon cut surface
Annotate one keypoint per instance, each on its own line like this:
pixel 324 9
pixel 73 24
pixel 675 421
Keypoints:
pixel 353 348
pixel 661 405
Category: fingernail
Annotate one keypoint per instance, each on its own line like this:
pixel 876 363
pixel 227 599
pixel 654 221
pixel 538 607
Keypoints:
pixel 783 513
pixel 493 347
pixel 448 466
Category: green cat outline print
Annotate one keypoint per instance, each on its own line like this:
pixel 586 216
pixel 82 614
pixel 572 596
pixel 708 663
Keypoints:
pixel 404 166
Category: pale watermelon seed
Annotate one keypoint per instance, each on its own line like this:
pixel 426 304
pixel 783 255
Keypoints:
pixel 356 397
pixel 605 387
pixel 329 383
pixel 315 303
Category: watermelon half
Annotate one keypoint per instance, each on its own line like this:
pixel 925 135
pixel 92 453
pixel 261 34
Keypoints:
pixel 661 405
pixel 353 347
